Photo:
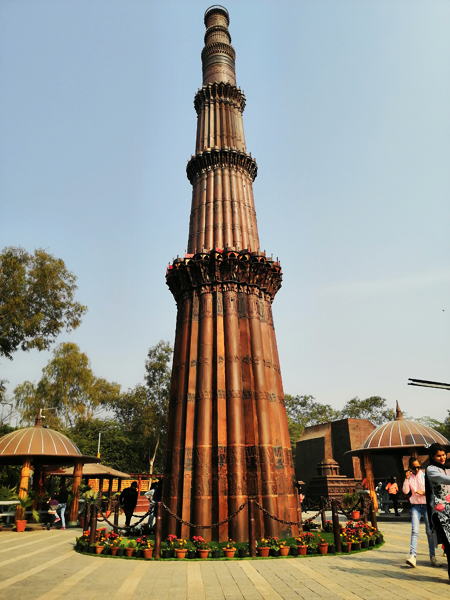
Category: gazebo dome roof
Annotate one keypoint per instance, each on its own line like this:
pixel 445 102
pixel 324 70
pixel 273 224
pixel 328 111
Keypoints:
pixel 402 433
pixel 41 444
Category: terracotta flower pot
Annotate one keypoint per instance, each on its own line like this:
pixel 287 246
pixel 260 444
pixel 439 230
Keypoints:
pixel 229 553
pixel 284 550
pixel 322 548
pixel 355 514
pixel 302 549
pixel 98 549
pixel 180 553
pixel 20 524
pixel 263 551
pixel 203 553
pixel 107 513
pixel 81 520
pixel 129 551
pixel 148 553
pixel 114 551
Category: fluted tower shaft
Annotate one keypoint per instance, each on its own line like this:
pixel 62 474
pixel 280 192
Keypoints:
pixel 228 435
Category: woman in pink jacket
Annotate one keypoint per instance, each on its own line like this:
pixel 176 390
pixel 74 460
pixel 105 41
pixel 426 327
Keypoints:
pixel 415 484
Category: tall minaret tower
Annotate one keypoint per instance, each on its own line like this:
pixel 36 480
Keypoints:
pixel 228 435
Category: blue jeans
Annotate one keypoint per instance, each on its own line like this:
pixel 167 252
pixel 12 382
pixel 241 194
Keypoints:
pixel 417 511
pixel 62 509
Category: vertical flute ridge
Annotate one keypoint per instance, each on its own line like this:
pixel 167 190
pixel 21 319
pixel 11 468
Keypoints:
pixel 228 437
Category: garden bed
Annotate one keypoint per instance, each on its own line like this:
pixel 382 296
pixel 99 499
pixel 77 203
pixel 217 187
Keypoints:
pixel 241 548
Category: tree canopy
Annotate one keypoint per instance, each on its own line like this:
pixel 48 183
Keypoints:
pixel 68 390
pixel 134 426
pixel 36 300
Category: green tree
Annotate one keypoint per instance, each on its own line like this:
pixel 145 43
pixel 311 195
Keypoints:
pixel 442 427
pixel 157 378
pixel 374 409
pixel 36 300
pixel 303 411
pixel 68 390
pixel 120 449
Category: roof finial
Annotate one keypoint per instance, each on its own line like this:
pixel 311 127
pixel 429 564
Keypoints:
pixel 38 419
pixel 398 412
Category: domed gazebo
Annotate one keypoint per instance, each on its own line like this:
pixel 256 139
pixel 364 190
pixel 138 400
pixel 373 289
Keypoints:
pixel 400 438
pixel 40 446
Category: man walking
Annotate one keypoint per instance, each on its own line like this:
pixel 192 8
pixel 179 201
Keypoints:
pixel 128 500
pixel 415 483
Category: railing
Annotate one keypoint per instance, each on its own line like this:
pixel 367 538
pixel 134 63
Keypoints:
pixel 365 503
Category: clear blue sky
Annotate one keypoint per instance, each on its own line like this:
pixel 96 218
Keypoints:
pixel 348 118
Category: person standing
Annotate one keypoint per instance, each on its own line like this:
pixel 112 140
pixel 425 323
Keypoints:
pixel 437 489
pixel 415 484
pixel 128 500
pixel 62 500
pixel 392 489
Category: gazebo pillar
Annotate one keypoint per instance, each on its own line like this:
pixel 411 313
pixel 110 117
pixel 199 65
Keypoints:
pixel 366 468
pixel 23 489
pixel 77 475
pixel 110 487
pixel 37 484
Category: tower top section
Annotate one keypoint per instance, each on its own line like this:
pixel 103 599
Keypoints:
pixel 218 55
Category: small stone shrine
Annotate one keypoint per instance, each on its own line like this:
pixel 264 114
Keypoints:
pixel 328 482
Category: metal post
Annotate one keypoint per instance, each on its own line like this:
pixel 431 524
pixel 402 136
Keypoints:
pixel 93 524
pixel 158 529
pixel 363 508
pixel 251 528
pixel 322 512
pixel 373 515
pixel 116 517
pixel 299 511
pixel 336 530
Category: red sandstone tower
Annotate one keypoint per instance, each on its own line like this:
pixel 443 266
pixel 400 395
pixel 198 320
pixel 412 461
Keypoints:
pixel 228 435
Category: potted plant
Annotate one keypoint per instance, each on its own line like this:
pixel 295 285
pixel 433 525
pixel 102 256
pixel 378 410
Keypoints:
pixel 169 551
pixel 201 545
pixel 302 546
pixel 294 550
pixel 263 547
pixel 284 549
pixel 99 547
pixel 229 550
pixel 215 551
pixel 322 546
pixel 130 548
pixel 242 552
pixel 350 501
pixel 274 546
pixel 145 546
pixel 123 544
pixel 331 549
pixel 346 541
pixel 25 503
pixel 114 543
pixel 181 548
pixel 83 542
pixel 192 552
pixel 328 528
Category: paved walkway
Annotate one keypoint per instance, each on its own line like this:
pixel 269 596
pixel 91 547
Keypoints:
pixel 42 565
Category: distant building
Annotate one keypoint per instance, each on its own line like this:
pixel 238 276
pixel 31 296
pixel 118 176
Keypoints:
pixel 331 441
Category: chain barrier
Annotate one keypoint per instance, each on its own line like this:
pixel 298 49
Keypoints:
pixel 347 513
pixel 183 522
pixel 124 528
pixel 323 505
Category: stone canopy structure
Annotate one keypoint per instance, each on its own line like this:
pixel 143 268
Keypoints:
pixel 228 435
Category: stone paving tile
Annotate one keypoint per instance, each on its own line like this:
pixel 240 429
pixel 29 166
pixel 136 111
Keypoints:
pixel 42 566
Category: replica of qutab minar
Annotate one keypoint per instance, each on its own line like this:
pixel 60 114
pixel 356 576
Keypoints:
pixel 228 436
